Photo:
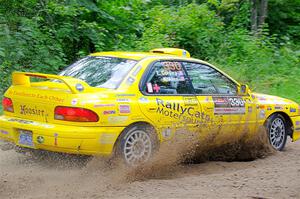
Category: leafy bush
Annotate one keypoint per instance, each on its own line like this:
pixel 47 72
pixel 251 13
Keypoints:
pixel 258 61
pixel 45 36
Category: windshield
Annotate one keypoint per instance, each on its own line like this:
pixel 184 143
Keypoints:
pixel 102 72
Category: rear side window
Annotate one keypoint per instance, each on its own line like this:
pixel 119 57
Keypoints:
pixel 167 78
pixel 102 72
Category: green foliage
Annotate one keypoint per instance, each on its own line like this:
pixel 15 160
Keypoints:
pixel 284 19
pixel 193 27
pixel 45 36
pixel 259 61
pixel 266 68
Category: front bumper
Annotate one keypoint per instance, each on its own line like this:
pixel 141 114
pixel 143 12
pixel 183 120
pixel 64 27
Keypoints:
pixel 61 138
pixel 296 125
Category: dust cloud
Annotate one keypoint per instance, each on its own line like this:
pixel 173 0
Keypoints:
pixel 187 149
pixel 46 175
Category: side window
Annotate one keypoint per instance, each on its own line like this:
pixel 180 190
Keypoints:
pixel 207 80
pixel 167 77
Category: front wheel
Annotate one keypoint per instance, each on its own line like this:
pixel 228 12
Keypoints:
pixel 277 131
pixel 137 144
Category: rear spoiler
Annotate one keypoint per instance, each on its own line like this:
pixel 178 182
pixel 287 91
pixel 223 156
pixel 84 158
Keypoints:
pixel 75 85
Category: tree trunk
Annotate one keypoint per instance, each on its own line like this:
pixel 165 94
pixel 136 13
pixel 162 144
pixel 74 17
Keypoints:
pixel 254 16
pixel 263 13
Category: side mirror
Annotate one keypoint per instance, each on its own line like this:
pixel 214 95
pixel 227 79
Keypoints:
pixel 243 89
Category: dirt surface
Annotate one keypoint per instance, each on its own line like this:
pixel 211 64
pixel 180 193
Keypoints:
pixel 276 176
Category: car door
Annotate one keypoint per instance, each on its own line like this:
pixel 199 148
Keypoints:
pixel 167 97
pixel 230 115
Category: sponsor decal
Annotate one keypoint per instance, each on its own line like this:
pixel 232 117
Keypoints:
pixel 31 123
pixel 164 73
pixel 125 95
pixel 261 98
pixel 149 88
pixel 25 110
pixel 109 112
pixel 269 108
pixel 124 109
pixel 171 71
pixel 43 125
pixel 297 123
pixel 281 102
pixel 166 133
pixel 293 110
pixel 130 81
pixel 107 138
pixel 40 139
pixel 91 101
pixel 21 121
pixel 262 114
pixel 179 77
pixel 277 107
pixel 172 66
pixel 3 132
pixel 156 88
pixel 190 101
pixel 37 95
pixel 229 111
pixel 55 139
pixel 297 129
pixel 175 110
pixel 229 105
pixel 103 105
pixel 123 100
pixel 143 100
pixel 74 102
pixel 117 119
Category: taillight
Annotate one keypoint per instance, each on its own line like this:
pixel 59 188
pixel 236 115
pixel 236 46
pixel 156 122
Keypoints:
pixel 75 114
pixel 7 104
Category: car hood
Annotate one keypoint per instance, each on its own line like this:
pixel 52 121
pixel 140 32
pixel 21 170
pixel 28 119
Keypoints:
pixel 270 99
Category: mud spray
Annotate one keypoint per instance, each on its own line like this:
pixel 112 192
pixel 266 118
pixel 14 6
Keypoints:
pixel 185 148
pixel 51 175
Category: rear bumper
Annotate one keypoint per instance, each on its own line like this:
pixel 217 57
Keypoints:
pixel 61 138
pixel 296 125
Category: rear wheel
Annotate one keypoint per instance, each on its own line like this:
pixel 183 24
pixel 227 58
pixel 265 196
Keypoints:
pixel 277 131
pixel 137 144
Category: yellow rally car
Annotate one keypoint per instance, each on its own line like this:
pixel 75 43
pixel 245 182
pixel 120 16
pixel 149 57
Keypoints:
pixel 129 102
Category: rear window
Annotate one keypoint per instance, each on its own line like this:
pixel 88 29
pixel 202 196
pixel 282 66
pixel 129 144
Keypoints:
pixel 102 72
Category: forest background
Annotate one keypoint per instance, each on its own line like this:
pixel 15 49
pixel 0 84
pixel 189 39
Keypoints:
pixel 255 41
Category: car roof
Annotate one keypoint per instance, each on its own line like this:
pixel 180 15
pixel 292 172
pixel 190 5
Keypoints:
pixel 132 55
pixel 141 55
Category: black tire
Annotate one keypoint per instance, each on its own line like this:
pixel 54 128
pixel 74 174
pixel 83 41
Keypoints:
pixel 277 131
pixel 137 144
